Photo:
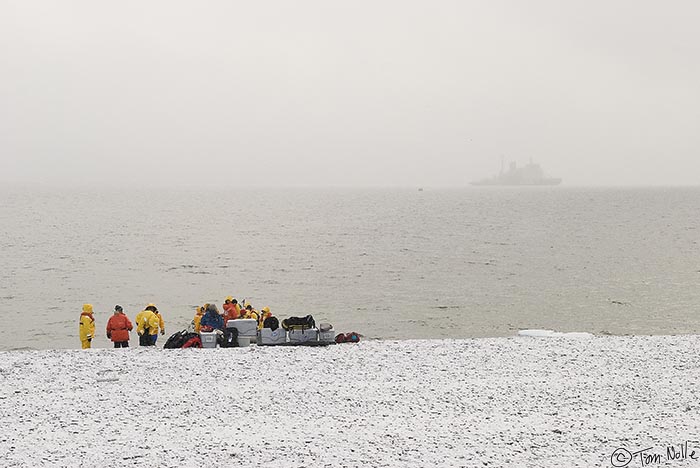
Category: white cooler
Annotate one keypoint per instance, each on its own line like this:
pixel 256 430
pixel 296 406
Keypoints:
pixel 326 333
pixel 327 336
pixel 268 336
pixel 208 339
pixel 247 330
pixel 303 336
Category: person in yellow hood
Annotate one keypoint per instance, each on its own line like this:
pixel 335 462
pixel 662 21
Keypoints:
pixel 139 316
pixel 264 313
pixel 147 323
pixel 87 326
pixel 161 323
pixel 196 321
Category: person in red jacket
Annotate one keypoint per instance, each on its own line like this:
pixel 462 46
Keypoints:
pixel 118 328
pixel 232 310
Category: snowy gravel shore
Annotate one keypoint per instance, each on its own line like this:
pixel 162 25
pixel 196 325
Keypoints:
pixel 501 402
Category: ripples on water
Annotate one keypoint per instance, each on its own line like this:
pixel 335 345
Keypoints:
pixel 387 263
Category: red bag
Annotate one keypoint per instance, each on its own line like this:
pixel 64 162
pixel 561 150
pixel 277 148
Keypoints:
pixel 352 337
pixel 194 342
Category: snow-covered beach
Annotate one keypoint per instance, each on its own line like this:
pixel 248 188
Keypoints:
pixel 511 402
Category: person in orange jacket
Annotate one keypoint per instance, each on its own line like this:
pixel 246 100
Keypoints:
pixel 87 326
pixel 118 328
pixel 232 310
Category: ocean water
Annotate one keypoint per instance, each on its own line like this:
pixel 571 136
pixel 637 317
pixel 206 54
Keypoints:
pixel 389 264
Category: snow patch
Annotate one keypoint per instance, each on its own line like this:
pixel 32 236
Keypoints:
pixel 496 402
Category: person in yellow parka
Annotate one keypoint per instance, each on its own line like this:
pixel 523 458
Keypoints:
pixel 161 322
pixel 251 313
pixel 147 323
pixel 248 312
pixel 264 313
pixel 139 316
pixel 196 321
pixel 87 326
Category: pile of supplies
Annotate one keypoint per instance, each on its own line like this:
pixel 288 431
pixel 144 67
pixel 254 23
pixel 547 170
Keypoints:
pixel 239 326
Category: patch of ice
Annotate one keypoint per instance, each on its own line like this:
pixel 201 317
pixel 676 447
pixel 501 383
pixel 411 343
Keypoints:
pixel 537 333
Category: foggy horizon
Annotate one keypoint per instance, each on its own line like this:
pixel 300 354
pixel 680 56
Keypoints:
pixel 380 94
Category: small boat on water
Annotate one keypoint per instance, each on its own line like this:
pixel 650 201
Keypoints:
pixel 530 174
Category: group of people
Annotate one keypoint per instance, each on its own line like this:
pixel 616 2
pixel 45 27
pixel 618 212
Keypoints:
pixel 149 322
pixel 209 316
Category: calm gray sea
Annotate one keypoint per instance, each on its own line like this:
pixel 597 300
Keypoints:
pixel 389 264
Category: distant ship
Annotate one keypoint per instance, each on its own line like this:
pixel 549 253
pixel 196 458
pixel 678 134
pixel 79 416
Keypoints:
pixel 530 174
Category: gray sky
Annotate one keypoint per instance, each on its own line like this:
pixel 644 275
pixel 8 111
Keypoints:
pixel 345 93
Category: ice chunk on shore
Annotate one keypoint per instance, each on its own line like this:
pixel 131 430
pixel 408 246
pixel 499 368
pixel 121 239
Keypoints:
pixel 537 333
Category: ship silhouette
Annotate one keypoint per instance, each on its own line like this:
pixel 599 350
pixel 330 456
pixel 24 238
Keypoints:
pixel 530 174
